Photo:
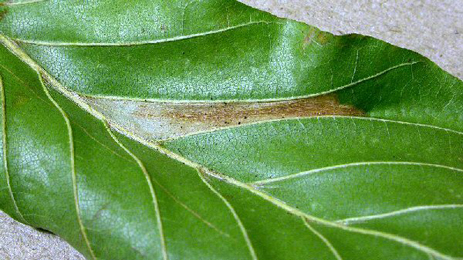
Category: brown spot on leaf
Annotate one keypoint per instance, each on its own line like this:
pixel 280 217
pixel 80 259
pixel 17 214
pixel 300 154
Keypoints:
pixel 314 36
pixel 323 38
pixel 20 100
pixel 309 38
pixel 3 11
pixel 163 28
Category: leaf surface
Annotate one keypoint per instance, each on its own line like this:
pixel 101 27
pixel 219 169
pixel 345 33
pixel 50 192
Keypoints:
pixel 211 130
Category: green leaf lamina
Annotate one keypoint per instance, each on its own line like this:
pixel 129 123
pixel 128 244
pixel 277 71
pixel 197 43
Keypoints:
pixel 211 130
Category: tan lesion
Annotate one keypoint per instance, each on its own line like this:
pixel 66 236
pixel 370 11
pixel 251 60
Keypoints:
pixel 164 120
pixel 315 36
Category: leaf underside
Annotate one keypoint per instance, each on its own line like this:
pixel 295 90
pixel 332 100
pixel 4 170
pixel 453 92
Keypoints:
pixel 211 130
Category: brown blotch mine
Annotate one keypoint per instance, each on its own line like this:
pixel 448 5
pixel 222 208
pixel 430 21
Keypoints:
pixel 317 37
pixel 3 11
pixel 323 38
pixel 162 120
pixel 221 114
pixel 226 114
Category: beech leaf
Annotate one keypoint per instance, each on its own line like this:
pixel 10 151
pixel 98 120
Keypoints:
pixel 212 130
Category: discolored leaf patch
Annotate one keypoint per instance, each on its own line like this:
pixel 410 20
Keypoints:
pixel 164 120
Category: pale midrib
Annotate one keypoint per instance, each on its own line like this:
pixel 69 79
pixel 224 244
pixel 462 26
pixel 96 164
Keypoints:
pixel 151 188
pixel 16 50
pixel 361 219
pixel 4 153
pixel 137 43
pixel 81 103
pixel 73 170
pixel 341 166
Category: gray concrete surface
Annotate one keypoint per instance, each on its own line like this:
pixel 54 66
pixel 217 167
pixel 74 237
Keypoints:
pixel 20 242
pixel 433 28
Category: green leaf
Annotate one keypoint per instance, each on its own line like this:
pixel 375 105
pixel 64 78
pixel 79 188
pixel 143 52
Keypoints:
pixel 211 130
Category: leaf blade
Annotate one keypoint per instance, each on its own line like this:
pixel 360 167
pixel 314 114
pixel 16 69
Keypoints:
pixel 191 169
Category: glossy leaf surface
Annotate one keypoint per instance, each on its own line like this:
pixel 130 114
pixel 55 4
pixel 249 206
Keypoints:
pixel 211 130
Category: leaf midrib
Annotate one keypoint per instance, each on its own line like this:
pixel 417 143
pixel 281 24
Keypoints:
pixel 16 50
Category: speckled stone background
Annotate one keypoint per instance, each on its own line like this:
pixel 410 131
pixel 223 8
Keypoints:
pixel 433 28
